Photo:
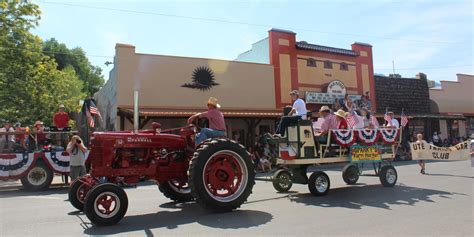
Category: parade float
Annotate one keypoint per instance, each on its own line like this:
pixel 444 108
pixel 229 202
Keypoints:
pixel 359 148
pixel 35 166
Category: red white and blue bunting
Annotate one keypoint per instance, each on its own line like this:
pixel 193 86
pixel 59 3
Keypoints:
pixel 368 136
pixel 389 135
pixel 59 161
pixel 345 137
pixel 15 165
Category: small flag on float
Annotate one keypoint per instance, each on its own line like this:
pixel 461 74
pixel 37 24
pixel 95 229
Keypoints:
pixel 352 119
pixel 404 119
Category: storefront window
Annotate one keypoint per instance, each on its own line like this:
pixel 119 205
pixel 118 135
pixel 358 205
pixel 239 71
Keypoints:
pixel 470 126
pixel 328 64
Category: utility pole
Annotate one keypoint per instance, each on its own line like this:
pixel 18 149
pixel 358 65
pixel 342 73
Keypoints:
pixel 393 67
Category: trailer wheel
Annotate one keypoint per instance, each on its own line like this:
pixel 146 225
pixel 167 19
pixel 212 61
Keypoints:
pixel 350 174
pixel 38 178
pixel 282 181
pixel 388 176
pixel 221 175
pixel 176 191
pixel 319 183
pixel 105 204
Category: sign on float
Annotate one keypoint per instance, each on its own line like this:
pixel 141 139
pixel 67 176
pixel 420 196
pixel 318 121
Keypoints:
pixel 365 153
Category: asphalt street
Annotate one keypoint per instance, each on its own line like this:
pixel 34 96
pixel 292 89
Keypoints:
pixel 437 204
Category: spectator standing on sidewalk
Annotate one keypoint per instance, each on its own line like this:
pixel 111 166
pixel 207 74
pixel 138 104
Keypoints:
pixel 77 151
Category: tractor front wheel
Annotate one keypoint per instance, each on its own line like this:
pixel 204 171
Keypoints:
pixel 221 175
pixel 106 204
pixel 78 191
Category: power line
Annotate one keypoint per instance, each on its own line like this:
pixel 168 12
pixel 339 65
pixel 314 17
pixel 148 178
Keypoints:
pixel 243 23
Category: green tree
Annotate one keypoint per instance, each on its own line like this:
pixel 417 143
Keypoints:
pixel 90 75
pixel 31 86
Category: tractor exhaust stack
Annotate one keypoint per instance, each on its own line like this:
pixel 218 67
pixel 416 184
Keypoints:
pixel 135 112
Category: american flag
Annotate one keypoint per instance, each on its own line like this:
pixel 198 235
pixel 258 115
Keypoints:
pixel 387 117
pixel 374 121
pixel 404 119
pixel 90 119
pixel 352 119
pixel 93 110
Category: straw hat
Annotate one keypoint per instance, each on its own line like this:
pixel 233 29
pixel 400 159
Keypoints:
pixel 294 92
pixel 213 101
pixel 341 113
pixel 38 123
pixel 324 108
pixel 61 106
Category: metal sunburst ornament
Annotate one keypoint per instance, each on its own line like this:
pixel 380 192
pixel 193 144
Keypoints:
pixel 203 79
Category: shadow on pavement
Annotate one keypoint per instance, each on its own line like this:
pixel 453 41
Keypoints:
pixel 357 197
pixel 182 214
pixel 8 193
pixel 451 175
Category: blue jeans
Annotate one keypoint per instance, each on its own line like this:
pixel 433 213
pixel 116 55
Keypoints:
pixel 286 121
pixel 208 133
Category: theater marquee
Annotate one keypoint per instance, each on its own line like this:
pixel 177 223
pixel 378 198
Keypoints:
pixel 336 90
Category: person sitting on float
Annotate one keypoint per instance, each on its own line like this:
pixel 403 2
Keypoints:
pixel 329 122
pixel 298 112
pixel 40 136
pixel 341 119
pixel 393 123
pixel 217 126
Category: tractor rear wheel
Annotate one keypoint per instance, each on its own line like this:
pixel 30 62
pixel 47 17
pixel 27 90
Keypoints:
pixel 221 175
pixel 176 191
pixel 106 204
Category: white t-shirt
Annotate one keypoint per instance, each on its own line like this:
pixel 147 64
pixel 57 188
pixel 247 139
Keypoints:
pixel 394 123
pixel 300 106
pixel 11 138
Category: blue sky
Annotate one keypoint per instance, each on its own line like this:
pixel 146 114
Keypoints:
pixel 434 37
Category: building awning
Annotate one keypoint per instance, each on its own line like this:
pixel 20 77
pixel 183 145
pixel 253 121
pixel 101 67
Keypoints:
pixel 431 116
pixel 186 112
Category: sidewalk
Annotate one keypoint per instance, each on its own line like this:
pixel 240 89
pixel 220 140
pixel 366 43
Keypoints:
pixel 16 184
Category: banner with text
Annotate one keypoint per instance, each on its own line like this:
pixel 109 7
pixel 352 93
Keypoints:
pixel 426 151
pixel 365 153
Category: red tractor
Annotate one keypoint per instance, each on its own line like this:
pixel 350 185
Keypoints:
pixel 217 173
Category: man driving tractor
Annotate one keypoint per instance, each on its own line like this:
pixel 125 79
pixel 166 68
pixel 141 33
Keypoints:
pixel 216 121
